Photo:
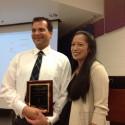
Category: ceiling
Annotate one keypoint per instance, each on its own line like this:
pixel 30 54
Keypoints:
pixel 22 11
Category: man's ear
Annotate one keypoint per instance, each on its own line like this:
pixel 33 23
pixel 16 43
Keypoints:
pixel 51 33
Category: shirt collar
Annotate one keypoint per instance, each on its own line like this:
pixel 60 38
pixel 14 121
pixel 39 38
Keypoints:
pixel 46 50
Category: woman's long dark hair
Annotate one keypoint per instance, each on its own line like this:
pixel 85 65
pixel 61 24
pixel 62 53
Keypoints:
pixel 81 83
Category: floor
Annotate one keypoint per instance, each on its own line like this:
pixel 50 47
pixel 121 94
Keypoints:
pixel 5 121
pixel 5 117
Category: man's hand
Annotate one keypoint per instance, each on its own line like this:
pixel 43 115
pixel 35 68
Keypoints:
pixel 40 119
pixel 30 112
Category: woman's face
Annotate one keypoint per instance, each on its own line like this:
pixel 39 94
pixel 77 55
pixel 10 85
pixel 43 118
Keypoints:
pixel 79 48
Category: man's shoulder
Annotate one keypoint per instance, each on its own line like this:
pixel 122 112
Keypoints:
pixel 58 54
pixel 24 53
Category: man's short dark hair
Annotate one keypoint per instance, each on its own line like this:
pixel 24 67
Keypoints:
pixel 49 24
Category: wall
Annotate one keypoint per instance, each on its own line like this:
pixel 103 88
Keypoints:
pixel 114 14
pixel 111 51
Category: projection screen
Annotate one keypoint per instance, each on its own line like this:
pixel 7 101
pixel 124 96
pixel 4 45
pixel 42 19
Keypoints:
pixel 15 39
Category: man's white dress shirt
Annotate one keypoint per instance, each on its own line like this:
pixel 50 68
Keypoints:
pixel 55 66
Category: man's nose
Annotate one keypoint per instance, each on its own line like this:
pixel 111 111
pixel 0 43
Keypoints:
pixel 37 32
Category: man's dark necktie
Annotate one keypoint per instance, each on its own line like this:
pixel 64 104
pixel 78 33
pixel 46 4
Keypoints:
pixel 36 68
pixel 34 76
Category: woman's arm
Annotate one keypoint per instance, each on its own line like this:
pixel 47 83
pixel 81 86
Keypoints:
pixel 100 84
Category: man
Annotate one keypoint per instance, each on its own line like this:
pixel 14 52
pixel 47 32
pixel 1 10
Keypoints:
pixel 55 66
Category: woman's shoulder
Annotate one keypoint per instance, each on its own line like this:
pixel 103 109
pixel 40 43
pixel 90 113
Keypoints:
pixel 97 65
pixel 94 64
pixel 98 68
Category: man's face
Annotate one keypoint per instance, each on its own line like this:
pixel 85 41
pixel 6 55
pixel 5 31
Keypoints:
pixel 40 34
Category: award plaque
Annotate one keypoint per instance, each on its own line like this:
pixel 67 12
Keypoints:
pixel 40 95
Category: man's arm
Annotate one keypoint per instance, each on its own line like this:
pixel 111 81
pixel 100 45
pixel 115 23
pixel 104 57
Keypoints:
pixel 62 96
pixel 10 94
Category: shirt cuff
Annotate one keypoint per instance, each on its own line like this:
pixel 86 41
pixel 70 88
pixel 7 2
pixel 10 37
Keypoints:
pixel 19 108
pixel 99 119
pixel 54 118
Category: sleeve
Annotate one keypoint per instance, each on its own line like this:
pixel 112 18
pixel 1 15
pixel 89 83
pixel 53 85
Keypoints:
pixel 64 81
pixel 100 83
pixel 8 89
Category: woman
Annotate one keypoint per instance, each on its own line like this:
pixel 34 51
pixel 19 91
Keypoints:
pixel 88 89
